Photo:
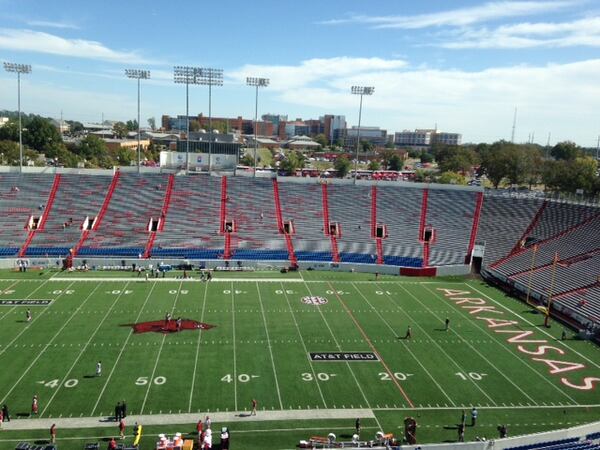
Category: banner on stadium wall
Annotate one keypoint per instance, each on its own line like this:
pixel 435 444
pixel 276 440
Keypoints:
pixel 176 160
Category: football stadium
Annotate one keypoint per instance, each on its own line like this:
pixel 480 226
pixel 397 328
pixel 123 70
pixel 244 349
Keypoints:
pixel 284 312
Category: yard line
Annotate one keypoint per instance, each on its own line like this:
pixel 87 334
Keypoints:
pixel 14 307
pixel 123 347
pixel 433 341
pixel 162 343
pixel 49 342
pixel 198 347
pixel 406 347
pixel 37 316
pixel 269 345
pixel 337 344
pixel 83 349
pixel 368 340
pixel 488 360
pixel 533 325
pixel 522 360
pixel 312 369
pixel 234 352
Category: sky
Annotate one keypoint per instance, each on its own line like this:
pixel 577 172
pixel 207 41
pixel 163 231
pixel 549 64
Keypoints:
pixel 461 65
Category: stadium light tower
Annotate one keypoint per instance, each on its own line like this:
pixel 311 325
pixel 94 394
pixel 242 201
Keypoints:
pixel 360 90
pixel 138 75
pixel 19 69
pixel 210 77
pixel 187 75
pixel 258 82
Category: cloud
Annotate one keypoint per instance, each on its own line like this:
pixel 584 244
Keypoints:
pixel 561 98
pixel 582 32
pixel 458 17
pixel 52 24
pixel 318 69
pixel 40 42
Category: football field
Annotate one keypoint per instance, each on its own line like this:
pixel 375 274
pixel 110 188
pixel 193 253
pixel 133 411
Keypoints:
pixel 295 342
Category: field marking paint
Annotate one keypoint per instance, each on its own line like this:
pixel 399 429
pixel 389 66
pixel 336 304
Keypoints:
pixel 123 347
pixel 406 347
pixel 240 280
pixel 522 360
pixel 46 346
pixel 269 345
pixel 533 325
pixel 14 307
pixel 162 343
pixel 198 347
pixel 235 401
pixel 488 360
pixel 83 350
pixel 434 342
pixel 312 368
pixel 366 337
pixel 28 296
pixel 337 344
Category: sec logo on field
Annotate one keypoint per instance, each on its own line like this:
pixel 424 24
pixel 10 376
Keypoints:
pixel 312 300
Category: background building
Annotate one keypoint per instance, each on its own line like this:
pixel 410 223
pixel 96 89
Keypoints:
pixel 374 135
pixel 426 137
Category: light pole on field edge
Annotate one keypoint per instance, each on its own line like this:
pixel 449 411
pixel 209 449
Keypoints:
pixel 360 90
pixel 139 75
pixel 19 69
pixel 187 75
pixel 258 82
pixel 210 77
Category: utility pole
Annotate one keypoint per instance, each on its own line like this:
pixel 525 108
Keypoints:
pixel 512 137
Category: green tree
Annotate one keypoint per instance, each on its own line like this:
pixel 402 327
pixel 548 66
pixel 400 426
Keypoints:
pixel 75 126
pixel 322 139
pixel 247 160
pixel 413 153
pixel 194 126
pixel 395 162
pixel 10 131
pixel 152 123
pixel 132 125
pixel 366 146
pixel 342 166
pixel 9 152
pixel 566 150
pixel 41 135
pixel 374 165
pixel 293 160
pixel 451 178
pixel 120 130
pixel 426 157
pixel 452 158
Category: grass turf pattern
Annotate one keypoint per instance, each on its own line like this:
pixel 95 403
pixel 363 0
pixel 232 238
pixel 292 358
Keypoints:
pixel 259 349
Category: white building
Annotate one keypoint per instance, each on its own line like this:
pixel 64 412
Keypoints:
pixel 3 121
pixel 426 137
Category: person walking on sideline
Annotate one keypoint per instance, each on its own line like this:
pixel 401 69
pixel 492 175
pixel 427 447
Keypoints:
pixel 123 409
pixel 357 425
pixel 461 432
pixel 122 429
pixel 118 412
pixel 112 444
pixel 99 369
pixel 5 413
pixel 474 416
pixel 463 417
pixel 447 324
pixel 28 315
pixel 408 333
pixel 254 404
pixel 53 434
pixel 34 405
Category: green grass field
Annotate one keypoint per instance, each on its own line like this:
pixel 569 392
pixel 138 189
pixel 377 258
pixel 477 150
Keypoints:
pixel 259 346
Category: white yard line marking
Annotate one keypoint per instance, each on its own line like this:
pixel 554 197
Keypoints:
pixel 234 351
pixel 83 349
pixel 533 325
pixel 269 346
pixel 46 346
pixel 312 369
pixel 433 341
pixel 37 316
pixel 123 347
pixel 337 344
pixel 249 280
pixel 406 347
pixel 14 307
pixel 508 350
pixel 198 348
pixel 162 343
pixel 486 359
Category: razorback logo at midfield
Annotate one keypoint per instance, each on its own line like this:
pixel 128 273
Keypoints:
pixel 162 326
pixel 526 342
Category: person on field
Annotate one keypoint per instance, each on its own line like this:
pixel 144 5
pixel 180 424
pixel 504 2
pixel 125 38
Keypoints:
pixel 179 323
pixel 1 418
pixel 408 333
pixel 34 405
pixel 99 369
pixel 28 315
pixel 5 413
pixel 474 415
pixel 199 427
pixel 461 432
pixel 254 405
pixel 123 409
pixel 503 431
pixel 357 425
pixel 122 429
pixel 207 423
pixel 112 444
pixel 463 417
pixel 118 412
pixel 447 324
pixel 53 434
